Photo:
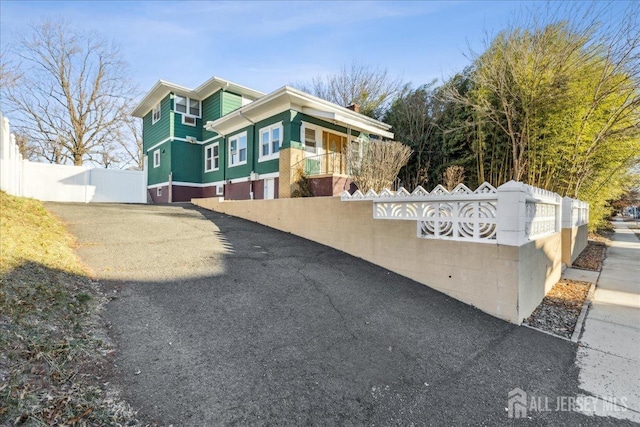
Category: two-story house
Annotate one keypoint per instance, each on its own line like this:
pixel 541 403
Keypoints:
pixel 223 139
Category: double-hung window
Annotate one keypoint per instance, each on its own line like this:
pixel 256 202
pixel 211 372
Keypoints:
pixel 211 158
pixel 156 158
pixel 270 141
pixel 238 149
pixel 190 109
pixel 310 137
pixel 155 114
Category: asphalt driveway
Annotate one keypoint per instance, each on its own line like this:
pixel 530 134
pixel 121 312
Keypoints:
pixel 220 321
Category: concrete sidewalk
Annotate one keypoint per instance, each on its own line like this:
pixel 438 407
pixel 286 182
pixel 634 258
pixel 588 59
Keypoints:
pixel 609 353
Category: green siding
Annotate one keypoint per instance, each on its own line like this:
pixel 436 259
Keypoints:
pixel 218 175
pixel 182 131
pixel 211 110
pixel 301 117
pixel 186 161
pixel 154 133
pixel 271 166
pixel 230 102
pixel 161 173
pixel 242 171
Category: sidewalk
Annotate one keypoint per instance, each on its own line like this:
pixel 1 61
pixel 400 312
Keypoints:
pixel 609 353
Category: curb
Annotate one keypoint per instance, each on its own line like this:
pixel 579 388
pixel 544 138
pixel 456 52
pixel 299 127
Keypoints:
pixel 582 318
pixel 577 331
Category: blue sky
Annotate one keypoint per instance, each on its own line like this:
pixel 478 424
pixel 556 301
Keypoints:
pixel 265 45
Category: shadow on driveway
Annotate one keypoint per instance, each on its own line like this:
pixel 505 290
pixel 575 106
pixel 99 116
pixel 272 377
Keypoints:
pixel 230 322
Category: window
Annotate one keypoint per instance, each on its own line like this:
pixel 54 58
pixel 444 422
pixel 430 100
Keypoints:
pixel 156 158
pixel 155 114
pixel 211 158
pixel 238 149
pixel 187 106
pixel 159 191
pixel 188 120
pixel 310 140
pixel 270 141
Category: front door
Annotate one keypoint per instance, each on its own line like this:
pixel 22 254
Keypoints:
pixel 334 145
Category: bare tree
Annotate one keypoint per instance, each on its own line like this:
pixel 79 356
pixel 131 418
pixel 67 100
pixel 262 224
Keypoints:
pixel 371 88
pixel 453 176
pixel 130 140
pixel 70 100
pixel 378 165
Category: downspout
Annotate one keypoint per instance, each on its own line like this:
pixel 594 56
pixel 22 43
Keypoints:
pixel 253 157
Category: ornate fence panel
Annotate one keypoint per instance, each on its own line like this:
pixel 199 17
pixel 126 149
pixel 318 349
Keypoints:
pixel 512 214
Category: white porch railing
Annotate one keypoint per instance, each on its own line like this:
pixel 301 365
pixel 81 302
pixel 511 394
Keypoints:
pixel 513 214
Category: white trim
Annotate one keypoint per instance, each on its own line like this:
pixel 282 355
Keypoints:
pixel 213 168
pixel 156 160
pixel 156 109
pixel 237 137
pixel 268 175
pixel 185 184
pixel 288 98
pixel 159 144
pixel 210 139
pixel 197 184
pixel 269 129
pixel 162 88
pixel 160 184
pixel 238 180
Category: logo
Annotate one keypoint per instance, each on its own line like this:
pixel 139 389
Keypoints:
pixel 517 403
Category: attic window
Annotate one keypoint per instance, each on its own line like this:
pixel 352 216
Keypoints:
pixel 187 106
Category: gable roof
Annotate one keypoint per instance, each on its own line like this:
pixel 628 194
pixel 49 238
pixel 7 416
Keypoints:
pixel 162 88
pixel 290 98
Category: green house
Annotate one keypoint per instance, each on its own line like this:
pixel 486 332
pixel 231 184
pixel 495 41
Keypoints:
pixel 226 140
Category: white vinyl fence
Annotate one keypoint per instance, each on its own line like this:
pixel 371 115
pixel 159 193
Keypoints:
pixel 64 183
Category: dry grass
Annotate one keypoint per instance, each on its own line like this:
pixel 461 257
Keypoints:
pixel 52 364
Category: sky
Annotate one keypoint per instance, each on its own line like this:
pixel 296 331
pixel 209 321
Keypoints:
pixel 266 45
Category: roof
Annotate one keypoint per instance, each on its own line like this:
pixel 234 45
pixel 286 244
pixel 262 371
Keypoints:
pixel 162 88
pixel 290 98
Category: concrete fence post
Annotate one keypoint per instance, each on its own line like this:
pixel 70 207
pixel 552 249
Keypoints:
pixel 512 214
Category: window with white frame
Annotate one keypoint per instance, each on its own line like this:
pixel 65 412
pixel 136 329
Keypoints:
pixel 159 191
pixel 156 158
pixel 270 141
pixel 187 106
pixel 211 158
pixel 238 149
pixel 155 113
pixel 310 139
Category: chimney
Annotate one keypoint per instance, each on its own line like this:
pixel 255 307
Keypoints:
pixel 354 107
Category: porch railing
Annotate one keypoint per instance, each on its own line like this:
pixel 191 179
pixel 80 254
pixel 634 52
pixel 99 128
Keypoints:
pixel 323 164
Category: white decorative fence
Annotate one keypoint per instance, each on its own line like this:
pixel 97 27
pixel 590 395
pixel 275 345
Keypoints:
pixel 574 212
pixel 513 214
pixel 65 183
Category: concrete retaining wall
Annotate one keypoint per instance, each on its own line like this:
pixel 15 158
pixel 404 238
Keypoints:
pixel 574 240
pixel 505 281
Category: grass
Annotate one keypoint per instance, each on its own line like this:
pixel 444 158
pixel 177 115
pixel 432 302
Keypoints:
pixel 52 364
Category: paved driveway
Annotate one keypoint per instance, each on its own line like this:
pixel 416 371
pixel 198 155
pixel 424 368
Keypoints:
pixel 232 323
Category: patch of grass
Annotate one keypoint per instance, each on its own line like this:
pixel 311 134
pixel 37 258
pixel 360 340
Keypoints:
pixel 51 364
